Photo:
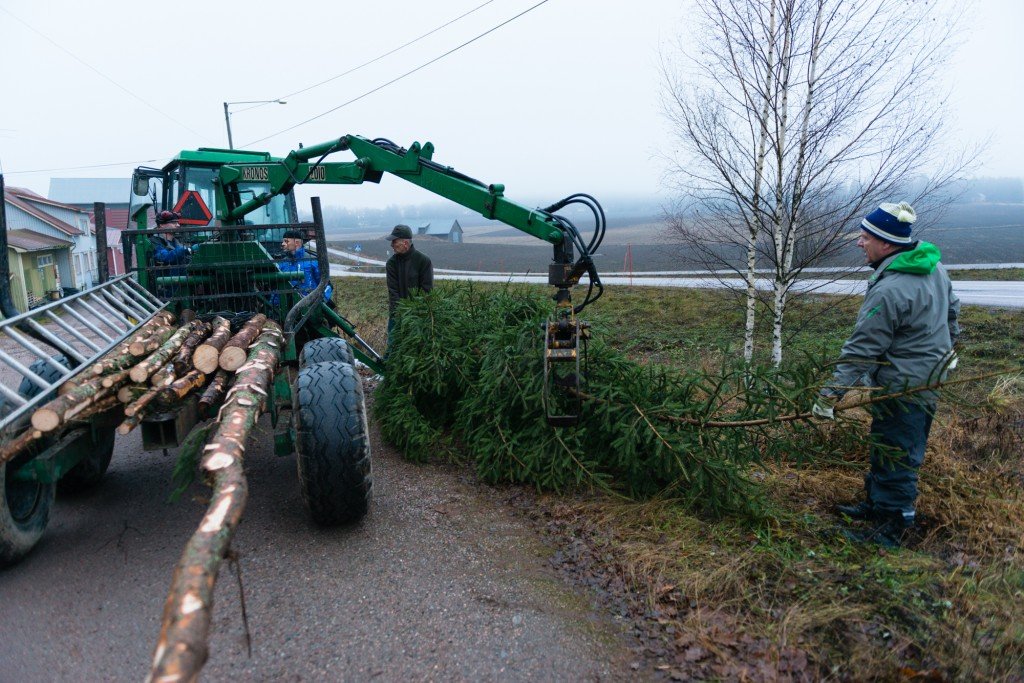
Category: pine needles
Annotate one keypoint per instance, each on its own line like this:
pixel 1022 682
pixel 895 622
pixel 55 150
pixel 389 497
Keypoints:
pixel 465 375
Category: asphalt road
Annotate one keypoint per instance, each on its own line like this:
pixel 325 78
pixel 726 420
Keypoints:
pixel 995 293
pixel 440 582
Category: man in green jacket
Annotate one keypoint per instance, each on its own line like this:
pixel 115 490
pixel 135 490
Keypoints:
pixel 408 270
pixel 903 340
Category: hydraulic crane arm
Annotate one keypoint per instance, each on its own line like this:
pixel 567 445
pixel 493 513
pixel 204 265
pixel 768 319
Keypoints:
pixel 376 157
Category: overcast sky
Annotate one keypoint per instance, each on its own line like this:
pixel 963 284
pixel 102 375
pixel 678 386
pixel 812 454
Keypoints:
pixel 563 99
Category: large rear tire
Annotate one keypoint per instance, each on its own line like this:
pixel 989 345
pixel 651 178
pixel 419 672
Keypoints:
pixel 25 505
pixel 90 470
pixel 24 511
pixel 332 444
pixel 326 349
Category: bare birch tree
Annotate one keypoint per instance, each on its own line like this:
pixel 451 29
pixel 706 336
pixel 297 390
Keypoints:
pixel 792 119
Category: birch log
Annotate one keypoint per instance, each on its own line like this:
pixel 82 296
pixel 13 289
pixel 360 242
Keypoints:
pixel 182 648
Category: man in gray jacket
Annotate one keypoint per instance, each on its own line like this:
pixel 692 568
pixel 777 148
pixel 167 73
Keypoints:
pixel 407 271
pixel 903 340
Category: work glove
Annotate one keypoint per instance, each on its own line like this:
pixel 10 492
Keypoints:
pixel 824 408
pixel 953 362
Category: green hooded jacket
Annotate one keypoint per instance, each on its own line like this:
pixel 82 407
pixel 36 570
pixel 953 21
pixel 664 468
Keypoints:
pixel 905 329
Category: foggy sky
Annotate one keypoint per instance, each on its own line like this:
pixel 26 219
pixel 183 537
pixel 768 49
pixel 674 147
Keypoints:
pixel 563 99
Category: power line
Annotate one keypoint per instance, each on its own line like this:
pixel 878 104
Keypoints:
pixel 375 59
pixel 78 168
pixel 98 72
pixel 398 78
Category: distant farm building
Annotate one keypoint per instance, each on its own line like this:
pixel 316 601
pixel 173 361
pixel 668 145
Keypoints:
pixel 447 230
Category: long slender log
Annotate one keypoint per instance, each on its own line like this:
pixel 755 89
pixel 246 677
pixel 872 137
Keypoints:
pixel 182 360
pixel 118 378
pixel 130 423
pixel 163 377
pixel 143 346
pixel 18 444
pixel 138 405
pixel 101 406
pixel 157 359
pixel 60 410
pixel 193 379
pixel 207 355
pixel 182 648
pixel 214 394
pixel 131 392
pixel 119 357
pixel 234 353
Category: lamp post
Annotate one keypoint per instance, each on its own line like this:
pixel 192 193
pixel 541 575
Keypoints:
pixel 227 114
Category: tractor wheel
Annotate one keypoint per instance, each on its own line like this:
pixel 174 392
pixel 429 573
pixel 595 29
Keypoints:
pixel 24 511
pixel 326 349
pixel 25 505
pixel 332 444
pixel 90 469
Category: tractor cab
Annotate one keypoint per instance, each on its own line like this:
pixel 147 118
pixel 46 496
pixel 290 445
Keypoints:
pixel 212 261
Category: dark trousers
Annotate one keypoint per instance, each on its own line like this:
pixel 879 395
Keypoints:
pixel 899 433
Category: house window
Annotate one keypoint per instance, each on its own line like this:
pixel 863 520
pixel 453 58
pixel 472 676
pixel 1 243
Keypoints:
pixel 44 260
pixel 78 269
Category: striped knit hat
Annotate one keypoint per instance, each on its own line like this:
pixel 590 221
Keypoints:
pixel 891 222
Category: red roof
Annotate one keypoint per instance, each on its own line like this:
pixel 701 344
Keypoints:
pixel 27 240
pixel 23 199
pixel 118 218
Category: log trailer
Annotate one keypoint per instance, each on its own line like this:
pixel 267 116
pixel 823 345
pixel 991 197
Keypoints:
pixel 193 350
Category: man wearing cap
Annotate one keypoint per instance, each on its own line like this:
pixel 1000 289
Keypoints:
pixel 296 259
pixel 167 250
pixel 408 270
pixel 903 339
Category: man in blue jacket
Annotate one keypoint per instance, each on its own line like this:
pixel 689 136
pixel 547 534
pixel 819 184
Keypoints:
pixel 297 259
pixel 903 340
pixel 167 249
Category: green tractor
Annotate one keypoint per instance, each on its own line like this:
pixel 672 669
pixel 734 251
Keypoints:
pixel 236 207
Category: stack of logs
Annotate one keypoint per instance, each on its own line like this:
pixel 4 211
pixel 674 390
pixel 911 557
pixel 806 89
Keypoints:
pixel 151 371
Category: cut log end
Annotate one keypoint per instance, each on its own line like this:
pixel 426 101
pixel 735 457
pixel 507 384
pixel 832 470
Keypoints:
pixel 45 419
pixel 206 359
pixel 232 358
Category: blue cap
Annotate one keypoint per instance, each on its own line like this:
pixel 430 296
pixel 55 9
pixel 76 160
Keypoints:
pixel 891 222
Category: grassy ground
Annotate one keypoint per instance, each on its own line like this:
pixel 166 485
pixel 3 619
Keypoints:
pixel 795 599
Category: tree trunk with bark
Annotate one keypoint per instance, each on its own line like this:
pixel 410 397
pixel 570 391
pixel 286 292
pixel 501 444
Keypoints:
pixel 182 360
pixel 157 359
pixel 207 355
pixel 214 394
pixel 62 409
pixel 182 648
pixel 235 351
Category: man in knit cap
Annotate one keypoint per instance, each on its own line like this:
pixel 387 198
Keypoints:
pixel 407 270
pixel 903 340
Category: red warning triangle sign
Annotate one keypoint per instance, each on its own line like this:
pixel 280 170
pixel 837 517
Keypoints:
pixel 193 209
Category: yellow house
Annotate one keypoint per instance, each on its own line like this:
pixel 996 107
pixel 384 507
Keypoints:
pixel 33 266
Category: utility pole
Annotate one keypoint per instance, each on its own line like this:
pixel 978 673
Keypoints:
pixel 227 114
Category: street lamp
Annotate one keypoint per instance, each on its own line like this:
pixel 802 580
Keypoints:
pixel 227 114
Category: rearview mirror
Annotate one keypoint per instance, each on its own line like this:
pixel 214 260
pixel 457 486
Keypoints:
pixel 140 184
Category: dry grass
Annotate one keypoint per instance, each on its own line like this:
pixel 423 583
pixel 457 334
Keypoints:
pixel 791 598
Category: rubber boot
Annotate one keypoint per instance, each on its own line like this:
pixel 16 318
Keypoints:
pixel 861 510
pixel 889 532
